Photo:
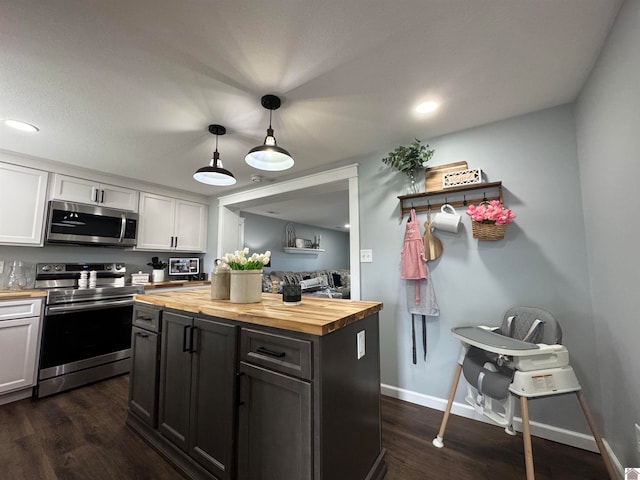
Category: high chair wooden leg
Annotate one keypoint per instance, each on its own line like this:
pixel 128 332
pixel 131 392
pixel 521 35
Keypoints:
pixel 592 425
pixel 454 386
pixel 526 438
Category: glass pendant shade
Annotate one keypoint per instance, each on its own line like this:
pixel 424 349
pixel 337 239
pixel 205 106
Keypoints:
pixel 269 156
pixel 214 173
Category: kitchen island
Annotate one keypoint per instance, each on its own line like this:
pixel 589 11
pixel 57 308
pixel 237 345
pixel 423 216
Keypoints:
pixel 261 391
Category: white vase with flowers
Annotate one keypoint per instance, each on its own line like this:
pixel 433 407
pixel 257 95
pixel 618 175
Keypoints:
pixel 246 275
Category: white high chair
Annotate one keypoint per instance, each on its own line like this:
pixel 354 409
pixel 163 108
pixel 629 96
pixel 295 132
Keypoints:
pixel 522 358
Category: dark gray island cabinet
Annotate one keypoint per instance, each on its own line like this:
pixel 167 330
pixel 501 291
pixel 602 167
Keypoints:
pixel 258 391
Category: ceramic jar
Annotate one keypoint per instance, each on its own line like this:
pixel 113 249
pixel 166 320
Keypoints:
pixel 220 281
pixel 246 286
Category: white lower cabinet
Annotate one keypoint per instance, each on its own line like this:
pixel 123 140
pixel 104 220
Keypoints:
pixel 171 224
pixel 22 205
pixel 20 322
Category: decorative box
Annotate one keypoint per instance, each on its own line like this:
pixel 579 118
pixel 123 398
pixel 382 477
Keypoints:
pixel 461 178
pixel 139 278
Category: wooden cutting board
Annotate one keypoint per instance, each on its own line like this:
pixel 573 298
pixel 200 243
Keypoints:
pixel 432 244
pixel 433 175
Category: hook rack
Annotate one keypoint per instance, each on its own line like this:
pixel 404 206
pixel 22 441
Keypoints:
pixel 460 197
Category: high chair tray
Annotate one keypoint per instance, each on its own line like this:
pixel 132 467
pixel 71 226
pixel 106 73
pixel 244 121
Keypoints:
pixel 493 342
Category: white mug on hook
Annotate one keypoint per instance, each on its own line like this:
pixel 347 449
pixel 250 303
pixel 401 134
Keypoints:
pixel 447 219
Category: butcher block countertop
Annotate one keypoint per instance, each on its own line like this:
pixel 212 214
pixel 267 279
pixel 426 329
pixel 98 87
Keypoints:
pixel 16 294
pixel 176 283
pixel 316 316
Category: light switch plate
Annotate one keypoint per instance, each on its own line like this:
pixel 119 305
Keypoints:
pixel 366 256
pixel 361 344
pixel 638 437
pixel 1 267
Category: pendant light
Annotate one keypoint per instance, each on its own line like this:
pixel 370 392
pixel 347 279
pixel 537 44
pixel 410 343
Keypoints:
pixel 214 174
pixel 269 156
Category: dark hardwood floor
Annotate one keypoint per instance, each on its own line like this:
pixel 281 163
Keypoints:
pixel 472 450
pixel 81 435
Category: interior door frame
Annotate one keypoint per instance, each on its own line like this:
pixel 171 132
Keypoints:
pixel 229 216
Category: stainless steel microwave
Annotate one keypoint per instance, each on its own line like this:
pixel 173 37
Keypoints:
pixel 76 223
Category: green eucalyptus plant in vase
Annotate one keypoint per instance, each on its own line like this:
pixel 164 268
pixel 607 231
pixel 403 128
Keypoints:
pixel 409 160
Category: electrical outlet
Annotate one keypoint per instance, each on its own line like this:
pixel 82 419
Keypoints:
pixel 361 342
pixel 366 256
pixel 638 437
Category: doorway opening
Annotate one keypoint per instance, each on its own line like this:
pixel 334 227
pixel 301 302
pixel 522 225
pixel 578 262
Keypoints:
pixel 229 207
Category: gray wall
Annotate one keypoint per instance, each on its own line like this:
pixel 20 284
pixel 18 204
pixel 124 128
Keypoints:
pixel 608 132
pixel 265 233
pixel 541 262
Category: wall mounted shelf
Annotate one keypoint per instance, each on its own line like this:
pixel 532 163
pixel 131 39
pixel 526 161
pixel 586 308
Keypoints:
pixel 455 196
pixel 303 251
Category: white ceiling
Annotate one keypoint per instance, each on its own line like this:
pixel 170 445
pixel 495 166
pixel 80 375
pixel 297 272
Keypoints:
pixel 129 87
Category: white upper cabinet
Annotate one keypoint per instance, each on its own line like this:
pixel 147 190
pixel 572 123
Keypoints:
pixel 23 201
pixel 171 224
pixel 72 189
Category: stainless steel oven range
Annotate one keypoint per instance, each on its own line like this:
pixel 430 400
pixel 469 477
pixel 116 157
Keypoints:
pixel 86 334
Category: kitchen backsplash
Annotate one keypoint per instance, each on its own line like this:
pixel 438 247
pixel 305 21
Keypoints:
pixel 30 256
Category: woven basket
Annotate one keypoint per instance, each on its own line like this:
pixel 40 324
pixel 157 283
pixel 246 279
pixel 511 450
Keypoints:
pixel 488 231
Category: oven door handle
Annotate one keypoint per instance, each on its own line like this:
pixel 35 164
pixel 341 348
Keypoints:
pixel 97 305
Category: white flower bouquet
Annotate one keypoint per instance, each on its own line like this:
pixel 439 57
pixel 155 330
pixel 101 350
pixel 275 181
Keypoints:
pixel 238 260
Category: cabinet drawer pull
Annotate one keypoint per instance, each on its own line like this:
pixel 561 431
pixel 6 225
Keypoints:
pixel 102 196
pixel 239 376
pixel 144 319
pixel 192 332
pixel 143 335
pixel 185 348
pixel 271 353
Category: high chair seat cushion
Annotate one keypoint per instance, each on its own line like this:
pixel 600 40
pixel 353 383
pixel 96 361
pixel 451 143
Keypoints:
pixel 518 322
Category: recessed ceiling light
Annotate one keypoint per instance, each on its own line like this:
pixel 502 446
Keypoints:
pixel 426 107
pixel 18 125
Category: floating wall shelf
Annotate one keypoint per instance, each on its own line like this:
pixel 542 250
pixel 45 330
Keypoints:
pixel 303 251
pixel 455 196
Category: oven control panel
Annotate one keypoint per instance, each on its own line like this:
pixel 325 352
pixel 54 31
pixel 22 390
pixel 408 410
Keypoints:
pixel 66 275
pixel 73 268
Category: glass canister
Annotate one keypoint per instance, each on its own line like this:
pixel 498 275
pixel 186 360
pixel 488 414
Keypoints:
pixel 17 276
pixel 220 281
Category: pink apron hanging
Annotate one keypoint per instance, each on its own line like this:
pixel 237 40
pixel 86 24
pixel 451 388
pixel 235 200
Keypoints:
pixel 413 266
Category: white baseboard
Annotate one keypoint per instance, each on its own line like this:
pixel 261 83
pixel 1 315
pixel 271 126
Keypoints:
pixel 548 432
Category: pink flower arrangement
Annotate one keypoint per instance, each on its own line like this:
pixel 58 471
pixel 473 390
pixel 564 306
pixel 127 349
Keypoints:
pixel 490 212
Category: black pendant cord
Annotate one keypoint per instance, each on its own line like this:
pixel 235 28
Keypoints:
pixel 216 154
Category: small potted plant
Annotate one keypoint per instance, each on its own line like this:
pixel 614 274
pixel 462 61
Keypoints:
pixel 409 160
pixel 489 220
pixel 157 275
